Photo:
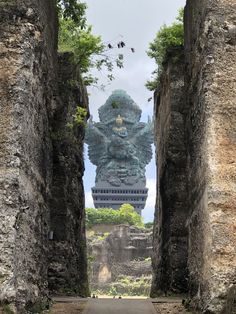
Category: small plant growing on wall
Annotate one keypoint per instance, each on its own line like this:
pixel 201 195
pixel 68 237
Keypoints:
pixel 87 50
pixel 168 37
pixel 80 116
pixel 115 104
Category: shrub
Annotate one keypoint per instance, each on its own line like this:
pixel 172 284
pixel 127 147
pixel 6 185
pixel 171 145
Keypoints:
pixel 72 9
pixel 80 116
pixel 88 50
pixel 168 37
pixel 6 309
pixel 125 215
pixel 131 286
pixel 80 41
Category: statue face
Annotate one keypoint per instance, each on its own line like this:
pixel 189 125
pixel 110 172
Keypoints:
pixel 119 121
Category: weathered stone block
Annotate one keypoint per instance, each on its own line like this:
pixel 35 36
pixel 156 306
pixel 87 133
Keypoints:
pixel 170 233
pixel 37 160
pixel 211 128
pixel 209 146
pixel 123 254
pixel 68 261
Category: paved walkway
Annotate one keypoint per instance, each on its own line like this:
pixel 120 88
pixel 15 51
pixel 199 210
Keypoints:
pixel 119 306
pixel 76 305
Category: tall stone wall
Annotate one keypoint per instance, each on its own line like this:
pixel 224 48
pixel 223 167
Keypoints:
pixel 68 263
pixel 26 92
pixel 30 103
pixel 210 38
pixel 170 239
pixel 210 131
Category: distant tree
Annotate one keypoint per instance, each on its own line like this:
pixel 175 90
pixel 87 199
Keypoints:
pixel 126 208
pixel 127 211
pixel 125 215
pixel 166 38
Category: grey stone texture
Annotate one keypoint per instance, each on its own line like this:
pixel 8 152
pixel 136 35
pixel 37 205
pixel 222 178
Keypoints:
pixel 30 101
pixel 209 132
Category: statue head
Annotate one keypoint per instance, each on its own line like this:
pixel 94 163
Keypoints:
pixel 119 105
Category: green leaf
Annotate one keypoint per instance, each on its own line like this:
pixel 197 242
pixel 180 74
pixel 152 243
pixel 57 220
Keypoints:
pixel 168 37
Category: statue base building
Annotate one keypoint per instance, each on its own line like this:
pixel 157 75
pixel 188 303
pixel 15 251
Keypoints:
pixel 108 196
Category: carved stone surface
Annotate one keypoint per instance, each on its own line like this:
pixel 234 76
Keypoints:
pixel 123 253
pixel 211 138
pixel 120 145
pixel 67 270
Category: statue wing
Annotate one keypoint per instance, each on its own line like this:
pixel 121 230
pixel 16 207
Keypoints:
pixel 97 143
pixel 142 139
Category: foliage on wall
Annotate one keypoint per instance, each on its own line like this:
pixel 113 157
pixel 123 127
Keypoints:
pixel 88 50
pixel 167 38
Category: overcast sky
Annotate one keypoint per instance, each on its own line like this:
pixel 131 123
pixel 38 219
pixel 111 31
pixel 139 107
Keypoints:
pixel 135 22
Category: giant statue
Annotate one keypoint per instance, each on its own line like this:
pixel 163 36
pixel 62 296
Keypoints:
pixel 120 146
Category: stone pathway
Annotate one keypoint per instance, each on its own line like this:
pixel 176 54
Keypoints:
pixel 73 305
pixel 170 308
pixel 67 305
pixel 119 306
